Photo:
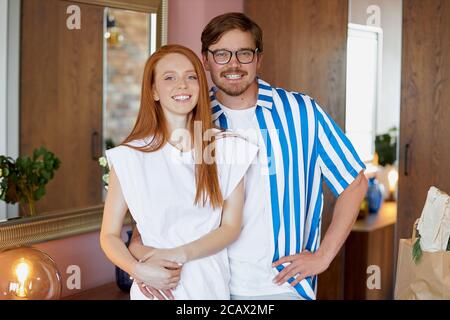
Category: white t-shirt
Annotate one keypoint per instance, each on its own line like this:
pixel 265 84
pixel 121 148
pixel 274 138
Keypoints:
pixel 251 255
pixel 159 189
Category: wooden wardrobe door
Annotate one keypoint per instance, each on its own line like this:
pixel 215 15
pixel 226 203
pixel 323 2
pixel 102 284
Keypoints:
pixel 305 50
pixel 425 108
pixel 61 98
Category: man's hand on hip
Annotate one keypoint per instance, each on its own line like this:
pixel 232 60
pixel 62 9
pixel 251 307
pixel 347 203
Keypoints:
pixel 301 266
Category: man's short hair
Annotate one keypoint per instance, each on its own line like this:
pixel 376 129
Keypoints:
pixel 230 21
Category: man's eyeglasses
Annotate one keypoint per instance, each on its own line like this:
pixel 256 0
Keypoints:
pixel 223 56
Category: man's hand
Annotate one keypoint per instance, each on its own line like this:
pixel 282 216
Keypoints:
pixel 301 266
pixel 153 293
pixel 176 255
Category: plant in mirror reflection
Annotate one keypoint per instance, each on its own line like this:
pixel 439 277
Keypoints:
pixel 105 177
pixel 23 180
pixel 109 144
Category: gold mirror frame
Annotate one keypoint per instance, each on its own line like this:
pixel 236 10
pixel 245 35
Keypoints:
pixel 67 223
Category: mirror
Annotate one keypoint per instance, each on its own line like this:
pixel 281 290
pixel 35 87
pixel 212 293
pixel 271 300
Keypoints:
pixel 79 79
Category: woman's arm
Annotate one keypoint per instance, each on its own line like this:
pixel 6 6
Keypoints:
pixel 137 249
pixel 214 241
pixel 114 212
pixel 226 234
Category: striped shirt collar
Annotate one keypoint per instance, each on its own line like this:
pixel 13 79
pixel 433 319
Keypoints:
pixel 265 98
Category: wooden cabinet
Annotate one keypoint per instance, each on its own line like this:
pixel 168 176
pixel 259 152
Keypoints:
pixel 424 151
pixel 369 253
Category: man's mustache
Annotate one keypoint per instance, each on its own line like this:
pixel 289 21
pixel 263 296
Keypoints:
pixel 234 70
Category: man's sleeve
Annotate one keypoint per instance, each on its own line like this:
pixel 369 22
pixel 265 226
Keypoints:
pixel 337 158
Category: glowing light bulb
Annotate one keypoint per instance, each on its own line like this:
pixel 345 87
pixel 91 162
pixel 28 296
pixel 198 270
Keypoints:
pixel 392 178
pixel 22 273
pixel 27 273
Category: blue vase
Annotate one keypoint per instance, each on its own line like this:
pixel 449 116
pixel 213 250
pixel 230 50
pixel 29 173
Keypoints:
pixel 374 195
pixel 123 278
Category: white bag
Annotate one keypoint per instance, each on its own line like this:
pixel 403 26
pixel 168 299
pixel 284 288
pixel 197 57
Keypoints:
pixel 434 223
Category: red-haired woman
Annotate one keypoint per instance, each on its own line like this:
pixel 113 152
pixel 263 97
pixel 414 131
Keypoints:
pixel 181 180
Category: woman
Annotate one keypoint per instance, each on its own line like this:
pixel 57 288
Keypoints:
pixel 186 201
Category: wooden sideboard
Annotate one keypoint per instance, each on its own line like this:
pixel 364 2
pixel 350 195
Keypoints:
pixel 371 243
pixel 109 291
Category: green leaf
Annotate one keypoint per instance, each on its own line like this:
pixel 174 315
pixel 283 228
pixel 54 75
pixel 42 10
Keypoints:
pixel 39 193
pixel 47 175
pixel 417 251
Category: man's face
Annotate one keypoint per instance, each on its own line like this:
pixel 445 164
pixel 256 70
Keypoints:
pixel 233 78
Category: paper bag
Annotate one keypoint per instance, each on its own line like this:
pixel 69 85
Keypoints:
pixel 429 279
pixel 434 223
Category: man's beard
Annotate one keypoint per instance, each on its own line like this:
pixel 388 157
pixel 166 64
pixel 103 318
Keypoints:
pixel 232 91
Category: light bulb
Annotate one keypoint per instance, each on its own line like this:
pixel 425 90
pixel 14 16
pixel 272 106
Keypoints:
pixel 392 178
pixel 28 273
pixel 22 271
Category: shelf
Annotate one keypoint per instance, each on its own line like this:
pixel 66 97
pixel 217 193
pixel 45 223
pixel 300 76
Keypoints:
pixel 385 217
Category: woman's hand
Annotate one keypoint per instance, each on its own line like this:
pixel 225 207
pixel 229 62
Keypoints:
pixel 158 273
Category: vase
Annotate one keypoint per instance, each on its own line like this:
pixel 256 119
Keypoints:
pixel 122 277
pixel 374 195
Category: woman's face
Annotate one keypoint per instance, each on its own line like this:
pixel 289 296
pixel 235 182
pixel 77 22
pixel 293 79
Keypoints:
pixel 176 84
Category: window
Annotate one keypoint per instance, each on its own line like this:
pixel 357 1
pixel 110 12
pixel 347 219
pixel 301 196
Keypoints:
pixel 364 47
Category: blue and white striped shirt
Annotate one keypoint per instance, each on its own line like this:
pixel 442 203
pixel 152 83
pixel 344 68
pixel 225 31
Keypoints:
pixel 304 146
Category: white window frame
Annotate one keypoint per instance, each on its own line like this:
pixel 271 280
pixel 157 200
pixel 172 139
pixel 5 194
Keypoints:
pixel 378 32
pixel 3 77
pixel 9 88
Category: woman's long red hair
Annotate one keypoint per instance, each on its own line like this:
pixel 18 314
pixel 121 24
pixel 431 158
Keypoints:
pixel 151 122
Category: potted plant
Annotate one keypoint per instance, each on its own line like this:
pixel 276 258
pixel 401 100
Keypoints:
pixel 386 150
pixel 23 180
pixel 386 147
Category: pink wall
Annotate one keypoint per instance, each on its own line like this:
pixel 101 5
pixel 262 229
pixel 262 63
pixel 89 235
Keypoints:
pixel 188 17
pixel 83 251
pixel 186 21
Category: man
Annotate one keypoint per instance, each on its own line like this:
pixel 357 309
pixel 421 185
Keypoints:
pixel 277 255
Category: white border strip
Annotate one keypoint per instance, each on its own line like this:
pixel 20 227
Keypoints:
pixel 13 83
pixel 3 89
